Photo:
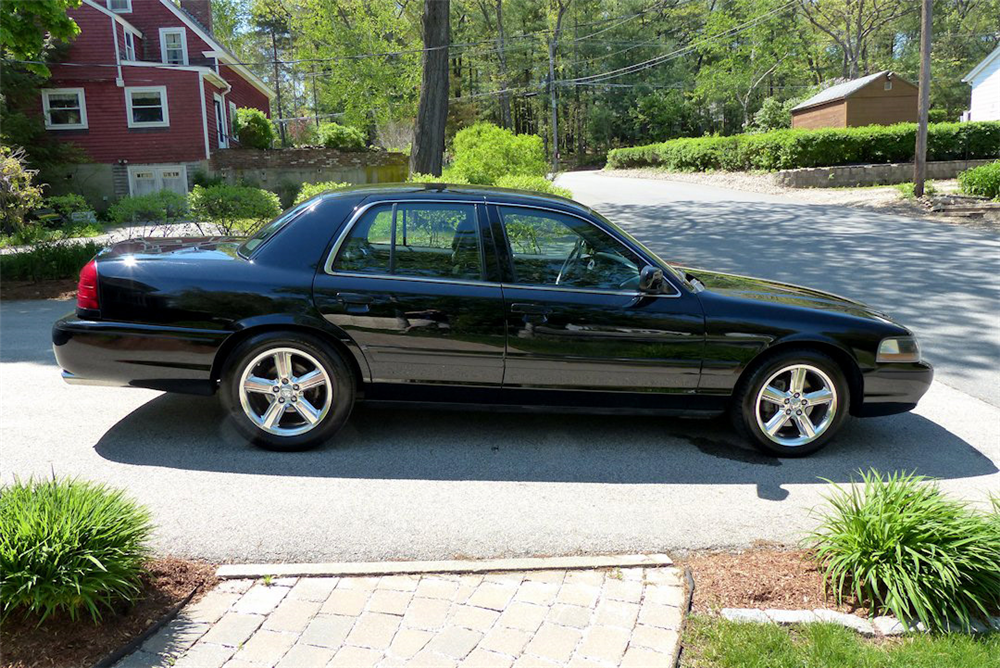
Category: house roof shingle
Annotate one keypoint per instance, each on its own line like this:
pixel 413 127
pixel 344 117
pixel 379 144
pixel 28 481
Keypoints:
pixel 839 91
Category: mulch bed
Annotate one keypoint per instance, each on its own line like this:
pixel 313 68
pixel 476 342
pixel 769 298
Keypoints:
pixel 58 289
pixel 60 642
pixel 761 577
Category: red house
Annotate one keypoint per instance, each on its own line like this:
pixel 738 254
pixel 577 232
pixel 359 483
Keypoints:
pixel 148 94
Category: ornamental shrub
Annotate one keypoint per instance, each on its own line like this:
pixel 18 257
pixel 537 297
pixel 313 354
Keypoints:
pixel 19 194
pixel 160 208
pixel 982 181
pixel 341 137
pixel 236 210
pixel 447 176
pixel 253 129
pixel 484 152
pixel 47 260
pixel 792 149
pixel 532 183
pixel 66 205
pixel 310 190
pixel 69 546
pixel 899 543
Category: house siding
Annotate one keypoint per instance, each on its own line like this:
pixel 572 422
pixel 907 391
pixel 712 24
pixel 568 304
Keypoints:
pixel 873 105
pixel 829 115
pixel 151 15
pixel 243 93
pixel 986 94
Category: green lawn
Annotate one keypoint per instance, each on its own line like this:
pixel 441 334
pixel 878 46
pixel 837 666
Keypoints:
pixel 710 642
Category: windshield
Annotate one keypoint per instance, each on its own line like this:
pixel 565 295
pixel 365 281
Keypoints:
pixel 269 230
pixel 676 273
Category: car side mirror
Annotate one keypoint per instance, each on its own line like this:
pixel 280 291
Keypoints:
pixel 650 279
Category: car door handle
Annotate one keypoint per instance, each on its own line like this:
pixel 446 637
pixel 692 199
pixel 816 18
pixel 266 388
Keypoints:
pixel 530 309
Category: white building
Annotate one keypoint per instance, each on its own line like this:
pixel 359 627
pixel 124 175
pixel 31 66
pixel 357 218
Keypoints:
pixel 985 81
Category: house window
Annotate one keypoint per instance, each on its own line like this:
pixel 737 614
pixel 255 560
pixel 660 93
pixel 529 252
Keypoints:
pixel 232 120
pixel 65 108
pixel 147 107
pixel 888 85
pixel 146 179
pixel 220 122
pixel 129 46
pixel 173 46
pixel 120 6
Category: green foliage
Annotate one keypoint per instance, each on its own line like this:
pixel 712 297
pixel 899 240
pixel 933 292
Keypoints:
pixel 253 129
pixel 906 189
pixel 27 29
pixel 983 181
pixel 534 183
pixel 159 208
pixel 899 543
pixel 237 210
pixel 47 261
pixel 772 115
pixel 341 137
pixel 485 152
pixel 69 546
pixel 710 642
pixel 447 176
pixel 18 192
pixel 66 205
pixel 310 190
pixel 791 149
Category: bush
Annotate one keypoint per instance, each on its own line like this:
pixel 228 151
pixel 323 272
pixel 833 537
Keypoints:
pixel 237 210
pixel 899 543
pixel 792 149
pixel 47 261
pixel 66 205
pixel 69 546
pixel 341 137
pixel 535 183
pixel 447 176
pixel 310 190
pixel 253 129
pixel 906 189
pixel 982 181
pixel 18 192
pixel 161 208
pixel 485 152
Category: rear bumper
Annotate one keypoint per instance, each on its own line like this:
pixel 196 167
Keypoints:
pixel 116 354
pixel 894 388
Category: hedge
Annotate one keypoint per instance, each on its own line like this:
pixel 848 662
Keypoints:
pixel 982 181
pixel 792 149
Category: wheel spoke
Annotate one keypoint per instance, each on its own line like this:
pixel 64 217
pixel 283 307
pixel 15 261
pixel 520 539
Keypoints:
pixel 314 378
pixel 776 423
pixel 306 410
pixel 258 384
pixel 272 415
pixel 805 425
pixel 283 365
pixel 798 382
pixel 823 396
pixel 774 395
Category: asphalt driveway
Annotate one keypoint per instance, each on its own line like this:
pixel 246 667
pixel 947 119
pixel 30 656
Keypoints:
pixel 425 484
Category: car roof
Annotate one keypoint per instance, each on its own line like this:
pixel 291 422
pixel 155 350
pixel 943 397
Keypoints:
pixel 472 193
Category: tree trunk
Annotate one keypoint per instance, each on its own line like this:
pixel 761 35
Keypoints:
pixel 427 152
pixel 277 87
pixel 502 56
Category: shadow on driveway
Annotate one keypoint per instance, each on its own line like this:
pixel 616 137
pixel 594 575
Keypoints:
pixel 181 432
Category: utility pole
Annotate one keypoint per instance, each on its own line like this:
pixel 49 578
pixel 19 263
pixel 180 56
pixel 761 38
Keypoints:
pixel 555 109
pixel 920 155
pixel 315 104
pixel 277 86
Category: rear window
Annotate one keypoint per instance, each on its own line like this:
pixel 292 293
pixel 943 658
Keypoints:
pixel 250 245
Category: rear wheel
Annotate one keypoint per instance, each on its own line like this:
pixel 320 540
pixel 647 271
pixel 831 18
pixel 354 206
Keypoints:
pixel 792 404
pixel 287 391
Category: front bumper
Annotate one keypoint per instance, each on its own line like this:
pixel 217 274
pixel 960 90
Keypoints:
pixel 894 388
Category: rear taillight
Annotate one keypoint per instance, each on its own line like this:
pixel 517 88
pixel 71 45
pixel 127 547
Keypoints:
pixel 86 289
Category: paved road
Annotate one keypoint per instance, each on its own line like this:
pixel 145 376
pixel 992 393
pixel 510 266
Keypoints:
pixel 420 484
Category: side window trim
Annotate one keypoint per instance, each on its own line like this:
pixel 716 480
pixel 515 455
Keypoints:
pixel 508 251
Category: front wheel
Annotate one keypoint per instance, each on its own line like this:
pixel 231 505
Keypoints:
pixel 793 404
pixel 286 391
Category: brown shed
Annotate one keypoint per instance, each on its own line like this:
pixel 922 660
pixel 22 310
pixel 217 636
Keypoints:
pixel 877 99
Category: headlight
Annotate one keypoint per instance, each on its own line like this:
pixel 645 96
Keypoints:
pixel 898 349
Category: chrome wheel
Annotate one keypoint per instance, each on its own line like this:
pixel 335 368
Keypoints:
pixel 796 405
pixel 285 391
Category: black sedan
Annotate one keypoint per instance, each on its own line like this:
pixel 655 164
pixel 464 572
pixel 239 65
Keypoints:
pixel 464 295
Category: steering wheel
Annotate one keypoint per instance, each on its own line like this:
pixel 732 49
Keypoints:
pixel 570 260
pixel 589 261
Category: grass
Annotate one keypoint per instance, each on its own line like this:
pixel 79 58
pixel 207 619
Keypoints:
pixel 906 189
pixel 711 642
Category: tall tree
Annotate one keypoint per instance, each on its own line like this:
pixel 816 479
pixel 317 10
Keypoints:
pixel 29 29
pixel 493 16
pixel 272 17
pixel 853 25
pixel 559 9
pixel 427 152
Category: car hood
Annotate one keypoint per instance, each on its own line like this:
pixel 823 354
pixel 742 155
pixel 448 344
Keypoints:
pixel 174 248
pixel 759 289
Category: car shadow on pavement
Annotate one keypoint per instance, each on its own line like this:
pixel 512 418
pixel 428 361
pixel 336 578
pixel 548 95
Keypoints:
pixel 192 433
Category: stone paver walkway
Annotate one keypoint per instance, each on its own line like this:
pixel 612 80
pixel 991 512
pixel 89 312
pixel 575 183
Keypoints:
pixel 608 617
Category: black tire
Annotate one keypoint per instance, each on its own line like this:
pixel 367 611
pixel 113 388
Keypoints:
pixel 337 370
pixel 743 408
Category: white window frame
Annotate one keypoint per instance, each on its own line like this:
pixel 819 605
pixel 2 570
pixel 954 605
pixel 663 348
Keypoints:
pixel 232 121
pixel 129 45
pixel 163 44
pixel 127 10
pixel 162 90
pixel 221 129
pixel 81 96
pixel 157 171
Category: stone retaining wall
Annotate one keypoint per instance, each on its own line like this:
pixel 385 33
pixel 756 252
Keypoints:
pixel 847 176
